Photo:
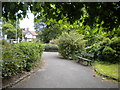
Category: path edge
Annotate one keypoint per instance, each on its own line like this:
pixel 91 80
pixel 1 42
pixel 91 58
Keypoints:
pixel 107 76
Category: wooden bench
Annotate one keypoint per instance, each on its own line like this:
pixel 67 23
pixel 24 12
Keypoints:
pixel 85 59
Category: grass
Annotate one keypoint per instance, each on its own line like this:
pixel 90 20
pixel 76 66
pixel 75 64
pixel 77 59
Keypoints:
pixel 107 69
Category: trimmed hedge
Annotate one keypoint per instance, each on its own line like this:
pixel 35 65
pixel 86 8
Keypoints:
pixel 4 42
pixel 51 47
pixel 20 57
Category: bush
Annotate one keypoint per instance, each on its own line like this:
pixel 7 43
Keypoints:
pixel 106 50
pixel 108 54
pixel 51 47
pixel 4 42
pixel 115 44
pixel 11 61
pixel 32 51
pixel 70 44
pixel 20 57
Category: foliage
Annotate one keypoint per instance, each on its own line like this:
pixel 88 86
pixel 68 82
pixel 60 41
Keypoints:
pixel 11 8
pixel 106 49
pixel 94 34
pixel 9 29
pixel 47 34
pixel 51 47
pixel 108 54
pixel 70 43
pixel 74 11
pixel 20 57
pixel 115 44
pixel 33 52
pixel 52 30
pixel 4 42
pixel 10 64
pixel 101 31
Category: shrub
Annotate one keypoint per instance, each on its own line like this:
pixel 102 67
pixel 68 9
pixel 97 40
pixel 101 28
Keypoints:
pixel 51 47
pixel 115 45
pixel 70 44
pixel 32 51
pixel 108 54
pixel 20 57
pixel 11 61
pixel 97 47
pixel 110 51
pixel 106 50
pixel 4 42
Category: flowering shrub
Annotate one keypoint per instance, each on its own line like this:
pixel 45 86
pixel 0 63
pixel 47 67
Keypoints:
pixel 70 43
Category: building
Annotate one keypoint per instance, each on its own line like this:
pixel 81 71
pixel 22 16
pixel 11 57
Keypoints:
pixel 29 35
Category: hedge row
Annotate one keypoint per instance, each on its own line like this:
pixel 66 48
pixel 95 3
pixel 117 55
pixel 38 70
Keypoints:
pixel 51 47
pixel 20 57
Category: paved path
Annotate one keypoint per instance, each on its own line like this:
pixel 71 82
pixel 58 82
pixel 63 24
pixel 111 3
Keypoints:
pixel 62 73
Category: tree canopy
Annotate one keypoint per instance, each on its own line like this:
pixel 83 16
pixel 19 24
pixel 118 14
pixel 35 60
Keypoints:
pixel 9 28
pixel 105 13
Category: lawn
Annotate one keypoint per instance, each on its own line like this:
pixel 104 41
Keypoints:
pixel 107 69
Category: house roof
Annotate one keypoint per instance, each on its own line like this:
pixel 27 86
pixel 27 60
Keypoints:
pixel 33 33
pixel 27 30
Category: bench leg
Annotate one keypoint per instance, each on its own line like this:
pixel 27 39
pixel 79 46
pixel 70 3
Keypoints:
pixel 87 63
pixel 78 61
pixel 90 64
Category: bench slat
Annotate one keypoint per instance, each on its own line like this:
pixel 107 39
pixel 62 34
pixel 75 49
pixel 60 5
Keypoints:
pixel 87 54
pixel 84 58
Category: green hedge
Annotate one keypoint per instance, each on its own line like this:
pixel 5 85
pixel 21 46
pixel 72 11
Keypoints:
pixel 20 57
pixel 51 47
pixel 4 42
pixel 70 44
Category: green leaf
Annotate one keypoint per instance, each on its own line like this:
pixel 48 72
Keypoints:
pixel 60 21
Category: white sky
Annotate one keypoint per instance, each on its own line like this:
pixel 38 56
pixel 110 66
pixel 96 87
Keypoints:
pixel 28 22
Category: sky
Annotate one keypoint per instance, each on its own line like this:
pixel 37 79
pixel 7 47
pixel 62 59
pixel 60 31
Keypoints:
pixel 28 22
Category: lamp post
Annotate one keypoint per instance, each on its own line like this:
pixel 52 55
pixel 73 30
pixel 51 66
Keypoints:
pixel 16 28
pixel 22 34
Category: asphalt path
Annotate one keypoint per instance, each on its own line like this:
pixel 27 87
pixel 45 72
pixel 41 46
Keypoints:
pixel 62 73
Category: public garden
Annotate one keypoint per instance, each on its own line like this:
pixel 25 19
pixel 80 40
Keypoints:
pixel 66 33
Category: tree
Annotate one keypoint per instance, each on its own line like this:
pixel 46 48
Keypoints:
pixel 50 32
pixel 9 28
pixel 97 12
pixel 10 9
pixel 54 29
